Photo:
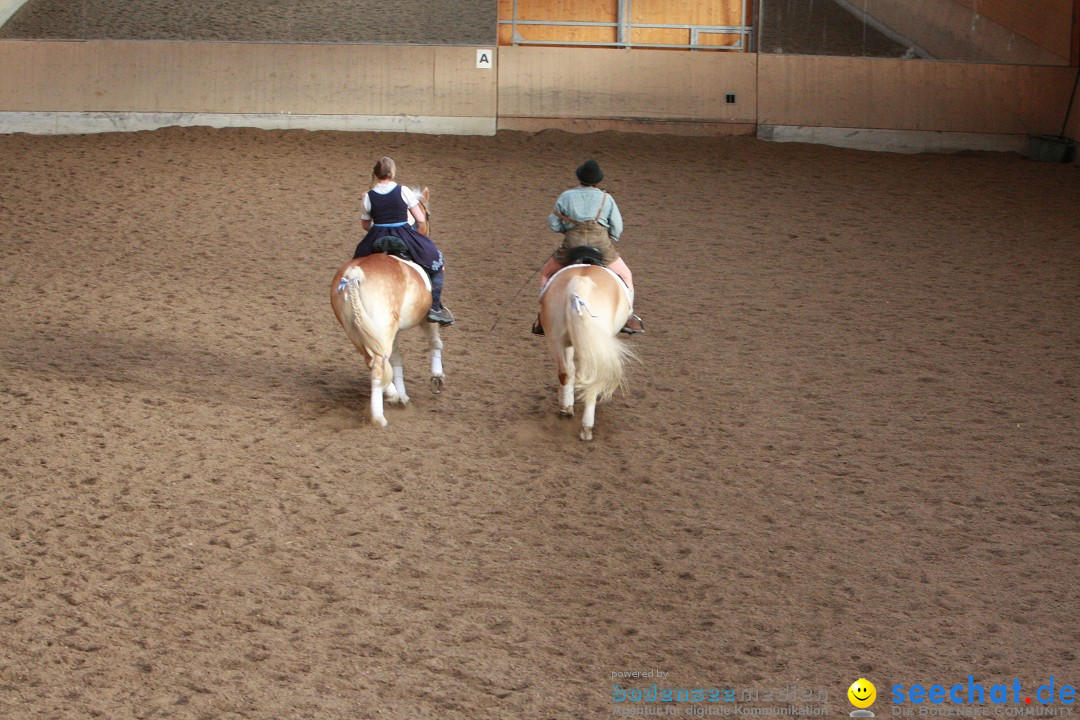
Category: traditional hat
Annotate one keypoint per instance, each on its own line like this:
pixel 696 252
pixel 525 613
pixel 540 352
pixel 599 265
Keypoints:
pixel 590 173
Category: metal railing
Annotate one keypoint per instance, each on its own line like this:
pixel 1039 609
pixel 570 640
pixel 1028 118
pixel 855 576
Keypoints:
pixel 624 28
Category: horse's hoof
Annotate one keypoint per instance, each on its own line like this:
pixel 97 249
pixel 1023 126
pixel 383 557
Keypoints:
pixel 586 434
pixel 566 412
pixel 437 384
pixel 402 400
pixel 379 421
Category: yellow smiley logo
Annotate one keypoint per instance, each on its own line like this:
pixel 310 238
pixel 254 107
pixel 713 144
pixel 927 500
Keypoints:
pixel 862 693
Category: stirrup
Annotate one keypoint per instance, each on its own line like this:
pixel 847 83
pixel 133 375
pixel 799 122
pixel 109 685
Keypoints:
pixel 633 326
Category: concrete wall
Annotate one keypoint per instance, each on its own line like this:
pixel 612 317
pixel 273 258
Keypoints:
pixel 425 89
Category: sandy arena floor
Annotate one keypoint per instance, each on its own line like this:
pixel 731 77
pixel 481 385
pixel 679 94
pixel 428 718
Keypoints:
pixel 850 446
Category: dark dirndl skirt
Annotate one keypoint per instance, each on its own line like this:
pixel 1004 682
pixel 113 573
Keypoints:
pixel 423 250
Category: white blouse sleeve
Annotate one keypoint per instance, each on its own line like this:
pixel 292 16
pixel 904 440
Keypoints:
pixel 409 196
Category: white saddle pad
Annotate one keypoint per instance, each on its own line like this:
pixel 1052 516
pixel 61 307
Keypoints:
pixel 622 284
pixel 423 273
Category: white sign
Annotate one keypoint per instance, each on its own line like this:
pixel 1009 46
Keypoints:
pixel 485 59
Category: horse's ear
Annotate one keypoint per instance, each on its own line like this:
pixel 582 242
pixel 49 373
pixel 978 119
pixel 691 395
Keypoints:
pixel 426 193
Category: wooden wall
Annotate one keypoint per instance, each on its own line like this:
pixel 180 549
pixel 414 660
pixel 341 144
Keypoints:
pixel 685 12
pixel 531 87
pixel 562 10
pixel 551 82
pixel 651 12
pixel 878 93
pixel 192 77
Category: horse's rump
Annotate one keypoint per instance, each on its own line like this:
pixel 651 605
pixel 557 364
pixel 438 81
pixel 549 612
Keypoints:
pixel 570 270
pixel 390 276
pixel 375 296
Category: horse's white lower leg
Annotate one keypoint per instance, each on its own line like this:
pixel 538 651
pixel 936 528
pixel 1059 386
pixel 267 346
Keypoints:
pixel 566 399
pixel 566 377
pixel 390 390
pixel 377 416
pixel 436 362
pixel 399 385
pixel 399 395
pixel 588 418
pixel 436 345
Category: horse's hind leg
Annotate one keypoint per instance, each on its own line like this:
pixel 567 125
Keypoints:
pixel 438 380
pixel 378 372
pixel 395 391
pixel 588 417
pixel 566 382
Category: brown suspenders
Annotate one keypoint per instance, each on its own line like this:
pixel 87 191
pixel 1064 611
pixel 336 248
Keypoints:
pixel 603 200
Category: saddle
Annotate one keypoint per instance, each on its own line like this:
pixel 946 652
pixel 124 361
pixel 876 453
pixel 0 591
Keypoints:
pixel 390 245
pixel 585 255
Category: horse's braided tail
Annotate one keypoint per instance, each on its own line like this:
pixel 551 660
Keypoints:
pixel 378 357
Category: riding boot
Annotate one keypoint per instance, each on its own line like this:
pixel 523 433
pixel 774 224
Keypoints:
pixel 633 326
pixel 441 315
pixel 438 312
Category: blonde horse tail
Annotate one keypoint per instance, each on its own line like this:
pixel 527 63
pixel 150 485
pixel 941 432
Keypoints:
pixel 358 320
pixel 599 357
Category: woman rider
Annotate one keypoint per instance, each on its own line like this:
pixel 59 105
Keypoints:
pixel 386 210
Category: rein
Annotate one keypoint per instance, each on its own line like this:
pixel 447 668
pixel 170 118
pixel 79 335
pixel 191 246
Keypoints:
pixel 538 269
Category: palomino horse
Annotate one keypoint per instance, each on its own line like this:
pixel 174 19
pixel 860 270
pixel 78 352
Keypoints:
pixel 375 298
pixel 582 309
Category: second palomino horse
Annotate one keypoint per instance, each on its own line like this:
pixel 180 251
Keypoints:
pixel 375 298
pixel 582 310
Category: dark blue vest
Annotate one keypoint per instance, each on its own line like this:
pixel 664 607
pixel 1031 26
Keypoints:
pixel 389 208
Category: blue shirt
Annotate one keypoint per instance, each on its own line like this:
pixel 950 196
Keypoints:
pixel 581 204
